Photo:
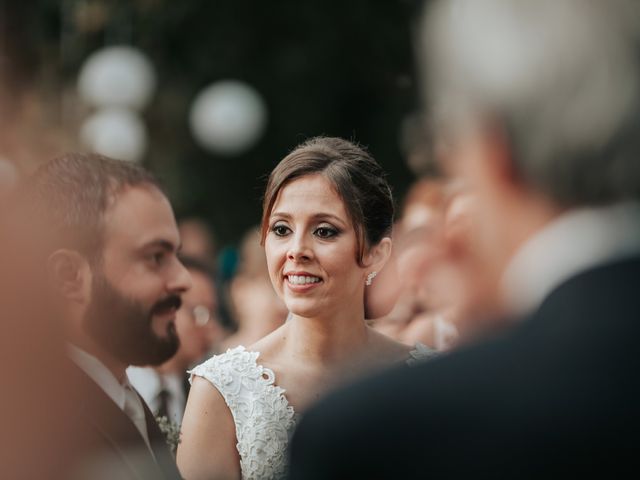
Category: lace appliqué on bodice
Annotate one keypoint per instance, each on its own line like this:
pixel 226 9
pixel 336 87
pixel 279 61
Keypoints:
pixel 263 418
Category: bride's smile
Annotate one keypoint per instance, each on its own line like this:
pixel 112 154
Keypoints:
pixel 301 281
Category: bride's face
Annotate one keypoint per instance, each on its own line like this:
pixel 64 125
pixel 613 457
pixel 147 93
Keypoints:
pixel 311 249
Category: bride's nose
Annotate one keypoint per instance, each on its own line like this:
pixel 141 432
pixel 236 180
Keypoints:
pixel 299 249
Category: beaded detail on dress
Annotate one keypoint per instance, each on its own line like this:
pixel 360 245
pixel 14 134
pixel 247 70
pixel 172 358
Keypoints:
pixel 262 415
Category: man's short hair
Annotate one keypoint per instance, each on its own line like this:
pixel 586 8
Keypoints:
pixel 561 79
pixel 71 193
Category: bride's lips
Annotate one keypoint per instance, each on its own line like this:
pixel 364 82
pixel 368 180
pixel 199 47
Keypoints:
pixel 300 282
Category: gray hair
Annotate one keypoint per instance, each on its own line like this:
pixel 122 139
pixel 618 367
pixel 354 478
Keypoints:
pixel 562 77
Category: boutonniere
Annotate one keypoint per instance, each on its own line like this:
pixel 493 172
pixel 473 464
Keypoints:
pixel 171 432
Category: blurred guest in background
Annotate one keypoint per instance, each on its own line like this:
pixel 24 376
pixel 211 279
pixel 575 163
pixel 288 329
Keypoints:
pixel 460 273
pixel 443 299
pixel 198 240
pixel 165 387
pixel 409 280
pixel 199 243
pixel 327 218
pixel 539 102
pixel 423 205
pixel 257 308
pixel 112 264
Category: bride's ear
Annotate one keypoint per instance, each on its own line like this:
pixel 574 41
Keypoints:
pixel 377 256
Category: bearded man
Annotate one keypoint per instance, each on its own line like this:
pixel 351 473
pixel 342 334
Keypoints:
pixel 111 257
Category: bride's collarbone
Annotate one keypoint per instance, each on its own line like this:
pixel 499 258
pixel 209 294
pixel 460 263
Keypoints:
pixel 306 382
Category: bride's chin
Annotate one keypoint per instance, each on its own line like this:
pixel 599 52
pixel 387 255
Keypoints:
pixel 299 309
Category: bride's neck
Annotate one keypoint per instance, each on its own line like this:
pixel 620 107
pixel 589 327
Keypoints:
pixel 329 339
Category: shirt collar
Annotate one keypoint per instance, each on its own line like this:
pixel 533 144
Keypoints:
pixel 149 382
pixel 174 383
pixel 100 374
pixel 575 242
pixel 146 381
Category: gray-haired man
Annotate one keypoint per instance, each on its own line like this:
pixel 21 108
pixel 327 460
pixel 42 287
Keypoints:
pixel 539 104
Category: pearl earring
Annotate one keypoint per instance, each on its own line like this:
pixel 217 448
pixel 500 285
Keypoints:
pixel 370 278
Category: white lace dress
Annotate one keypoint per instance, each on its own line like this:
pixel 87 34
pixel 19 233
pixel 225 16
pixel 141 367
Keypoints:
pixel 263 418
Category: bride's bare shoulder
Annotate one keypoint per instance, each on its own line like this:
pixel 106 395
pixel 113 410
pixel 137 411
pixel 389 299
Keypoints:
pixel 207 446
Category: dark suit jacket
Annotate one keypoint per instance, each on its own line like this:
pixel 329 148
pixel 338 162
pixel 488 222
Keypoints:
pixel 558 396
pixel 111 445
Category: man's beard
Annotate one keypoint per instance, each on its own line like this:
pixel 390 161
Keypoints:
pixel 122 326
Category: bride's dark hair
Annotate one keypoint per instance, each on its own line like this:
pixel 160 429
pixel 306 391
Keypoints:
pixel 356 177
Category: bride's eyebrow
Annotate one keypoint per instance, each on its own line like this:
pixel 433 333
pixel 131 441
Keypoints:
pixel 321 216
pixel 281 215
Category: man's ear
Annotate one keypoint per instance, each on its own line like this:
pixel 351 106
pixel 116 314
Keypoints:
pixel 70 274
pixel 377 256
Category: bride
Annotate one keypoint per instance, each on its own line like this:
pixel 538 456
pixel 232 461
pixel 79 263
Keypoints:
pixel 326 228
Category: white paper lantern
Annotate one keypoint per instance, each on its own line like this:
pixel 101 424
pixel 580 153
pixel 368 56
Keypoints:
pixel 115 132
pixel 228 117
pixel 117 76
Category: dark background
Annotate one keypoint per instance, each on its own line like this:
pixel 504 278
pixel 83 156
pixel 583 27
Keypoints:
pixel 331 67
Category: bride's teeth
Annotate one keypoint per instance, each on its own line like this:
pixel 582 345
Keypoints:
pixel 302 279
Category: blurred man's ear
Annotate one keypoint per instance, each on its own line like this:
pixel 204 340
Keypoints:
pixel 70 275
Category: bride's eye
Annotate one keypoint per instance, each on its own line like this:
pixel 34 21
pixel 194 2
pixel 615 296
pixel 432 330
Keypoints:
pixel 280 230
pixel 326 232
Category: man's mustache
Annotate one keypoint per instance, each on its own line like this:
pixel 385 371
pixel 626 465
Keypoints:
pixel 171 301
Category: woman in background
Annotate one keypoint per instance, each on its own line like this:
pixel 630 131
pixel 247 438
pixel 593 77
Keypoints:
pixel 412 302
